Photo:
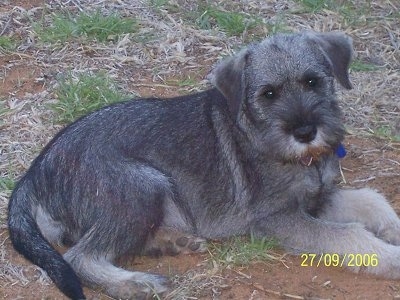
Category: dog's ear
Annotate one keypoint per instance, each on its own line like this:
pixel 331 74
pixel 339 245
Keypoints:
pixel 338 48
pixel 229 78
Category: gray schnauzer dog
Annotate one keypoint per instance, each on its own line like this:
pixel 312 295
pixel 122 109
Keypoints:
pixel 255 154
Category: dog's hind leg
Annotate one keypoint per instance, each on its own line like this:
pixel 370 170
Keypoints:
pixel 124 207
pixel 99 272
pixel 93 257
pixel 367 207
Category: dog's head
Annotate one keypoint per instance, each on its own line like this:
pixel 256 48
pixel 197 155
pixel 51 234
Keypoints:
pixel 281 92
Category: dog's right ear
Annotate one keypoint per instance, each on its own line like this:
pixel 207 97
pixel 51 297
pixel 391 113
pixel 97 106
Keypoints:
pixel 229 78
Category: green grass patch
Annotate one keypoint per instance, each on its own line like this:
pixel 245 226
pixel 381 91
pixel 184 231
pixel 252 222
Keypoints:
pixel 7 183
pixel 62 29
pixel 351 14
pixel 232 23
pixel 360 66
pixel 7 43
pixel 241 251
pixel 341 7
pixel 79 96
pixel 104 28
pixel 8 178
pixel 187 82
pixel 95 26
pixel 313 5
pixel 225 17
pixel 387 133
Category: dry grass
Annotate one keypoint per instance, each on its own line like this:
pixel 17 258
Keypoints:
pixel 168 48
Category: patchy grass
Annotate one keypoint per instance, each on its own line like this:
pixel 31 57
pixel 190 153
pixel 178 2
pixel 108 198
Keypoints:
pixel 91 26
pixel 313 6
pixel 62 28
pixel 360 66
pixel 7 183
pixel 187 82
pixel 104 28
pixel 348 11
pixel 232 23
pixel 7 43
pixel 240 251
pixel 345 8
pixel 207 17
pixel 387 133
pixel 77 96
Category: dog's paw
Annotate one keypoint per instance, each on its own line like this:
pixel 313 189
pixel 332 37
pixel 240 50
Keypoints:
pixel 191 244
pixel 390 234
pixel 168 241
pixel 151 287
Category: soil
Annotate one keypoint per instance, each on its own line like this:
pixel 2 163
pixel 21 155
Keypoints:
pixel 285 279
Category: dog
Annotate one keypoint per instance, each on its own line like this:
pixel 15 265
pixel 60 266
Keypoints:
pixel 257 153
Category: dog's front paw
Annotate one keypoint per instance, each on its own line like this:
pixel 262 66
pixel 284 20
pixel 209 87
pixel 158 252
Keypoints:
pixel 191 244
pixel 142 287
pixel 390 234
pixel 168 241
pixel 386 263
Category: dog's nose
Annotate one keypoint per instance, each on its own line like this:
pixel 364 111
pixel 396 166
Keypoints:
pixel 305 134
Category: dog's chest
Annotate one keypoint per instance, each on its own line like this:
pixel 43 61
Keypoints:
pixel 296 185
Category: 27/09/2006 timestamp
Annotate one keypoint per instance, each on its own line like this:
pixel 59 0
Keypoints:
pixel 337 260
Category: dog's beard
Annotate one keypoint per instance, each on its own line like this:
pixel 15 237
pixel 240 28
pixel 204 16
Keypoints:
pixel 307 153
pixel 313 154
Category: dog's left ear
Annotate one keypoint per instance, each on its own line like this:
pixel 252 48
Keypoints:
pixel 229 78
pixel 338 48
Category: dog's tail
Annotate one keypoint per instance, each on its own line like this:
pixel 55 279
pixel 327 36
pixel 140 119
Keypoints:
pixel 28 240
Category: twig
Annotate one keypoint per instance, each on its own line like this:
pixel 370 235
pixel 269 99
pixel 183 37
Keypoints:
pixel 276 293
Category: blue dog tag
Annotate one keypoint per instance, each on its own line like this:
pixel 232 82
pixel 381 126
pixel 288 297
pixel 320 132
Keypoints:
pixel 340 151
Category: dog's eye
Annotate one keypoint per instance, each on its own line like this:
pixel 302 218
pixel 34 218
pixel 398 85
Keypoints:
pixel 311 82
pixel 270 94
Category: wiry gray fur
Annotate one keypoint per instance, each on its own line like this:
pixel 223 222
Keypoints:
pixel 254 154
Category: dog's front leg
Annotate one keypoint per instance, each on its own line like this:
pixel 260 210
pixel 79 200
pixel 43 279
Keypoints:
pixel 367 207
pixel 299 232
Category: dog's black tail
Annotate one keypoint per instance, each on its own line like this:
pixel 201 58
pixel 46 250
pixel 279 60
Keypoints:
pixel 28 240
